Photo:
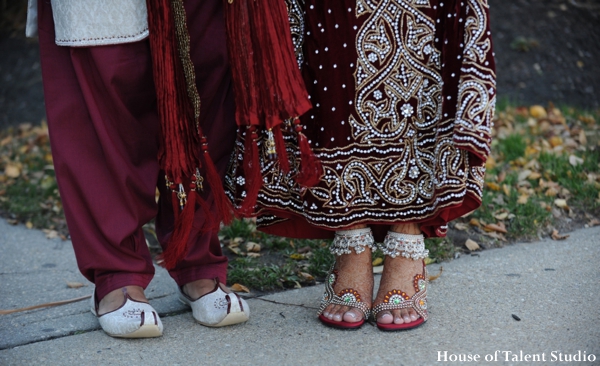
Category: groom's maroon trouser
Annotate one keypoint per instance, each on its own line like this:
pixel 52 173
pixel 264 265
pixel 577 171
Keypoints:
pixel 104 133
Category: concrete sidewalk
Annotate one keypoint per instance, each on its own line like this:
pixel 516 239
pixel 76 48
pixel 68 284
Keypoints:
pixel 552 286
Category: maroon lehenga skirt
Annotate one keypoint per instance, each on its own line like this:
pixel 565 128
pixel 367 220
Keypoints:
pixel 403 95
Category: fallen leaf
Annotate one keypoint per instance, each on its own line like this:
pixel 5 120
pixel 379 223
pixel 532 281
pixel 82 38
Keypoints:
pixel 12 171
pixel 582 138
pixel 575 160
pixel 555 141
pixel 557 236
pixel 253 255
pixel 50 234
pixel 428 261
pixel 534 176
pixel 561 203
pixel 74 284
pixel 523 199
pixel 474 222
pixel 524 174
pixel 499 200
pixel 297 256
pixel 551 192
pixel 304 250
pixel 29 225
pixel 537 111
pixel 237 241
pixel 495 227
pixel 495 235
pixel 377 262
pixel 461 226
pixel 501 214
pixel 307 276
pixel 493 186
pixel 507 189
pixel 252 247
pixel 594 222
pixel 435 277
pixel 239 288
pixel 472 245
pixel 235 250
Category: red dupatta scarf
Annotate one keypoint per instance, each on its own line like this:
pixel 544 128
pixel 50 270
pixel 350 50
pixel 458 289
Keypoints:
pixel 268 90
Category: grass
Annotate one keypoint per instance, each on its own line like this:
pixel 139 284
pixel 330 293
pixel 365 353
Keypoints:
pixel 544 170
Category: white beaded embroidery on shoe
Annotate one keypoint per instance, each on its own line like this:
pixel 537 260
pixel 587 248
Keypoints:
pixel 133 319
pixel 404 245
pixel 217 308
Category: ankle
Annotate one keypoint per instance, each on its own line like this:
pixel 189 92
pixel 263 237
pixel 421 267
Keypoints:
pixel 195 289
pixel 411 229
pixel 116 298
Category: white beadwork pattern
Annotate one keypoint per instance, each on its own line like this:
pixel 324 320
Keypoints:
pixel 346 240
pixel 404 245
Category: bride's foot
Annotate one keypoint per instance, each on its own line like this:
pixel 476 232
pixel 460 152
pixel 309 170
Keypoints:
pixel 350 282
pixel 397 307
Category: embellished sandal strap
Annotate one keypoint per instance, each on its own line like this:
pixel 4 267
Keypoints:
pixel 395 299
pixel 330 297
pixel 346 240
pixel 404 245
pixel 418 302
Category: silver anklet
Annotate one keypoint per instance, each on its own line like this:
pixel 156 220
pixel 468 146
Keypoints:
pixel 345 240
pixel 404 245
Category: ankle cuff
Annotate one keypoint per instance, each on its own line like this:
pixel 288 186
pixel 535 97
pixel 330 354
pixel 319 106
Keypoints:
pixel 404 245
pixel 345 240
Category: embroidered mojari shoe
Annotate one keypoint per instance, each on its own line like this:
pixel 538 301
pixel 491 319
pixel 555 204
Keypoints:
pixel 217 308
pixel 133 319
pixel 344 241
pixel 413 247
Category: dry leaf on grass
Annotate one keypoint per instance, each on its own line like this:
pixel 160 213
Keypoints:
pixel 500 227
pixel 474 222
pixel 307 276
pixel 495 235
pixel 472 245
pixel 235 250
pixel 12 171
pixel 557 236
pixel 239 288
pixel 253 255
pixel 522 199
pixel 461 226
pixel 575 160
pixel 252 247
pixel 561 203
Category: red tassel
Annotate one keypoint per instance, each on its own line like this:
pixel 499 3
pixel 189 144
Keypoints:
pixel 251 172
pixel 224 209
pixel 284 163
pixel 180 147
pixel 268 85
pixel 310 170
pixel 178 243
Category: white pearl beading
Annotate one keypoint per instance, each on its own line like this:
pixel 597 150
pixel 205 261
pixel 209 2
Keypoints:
pixel 346 240
pixel 404 245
